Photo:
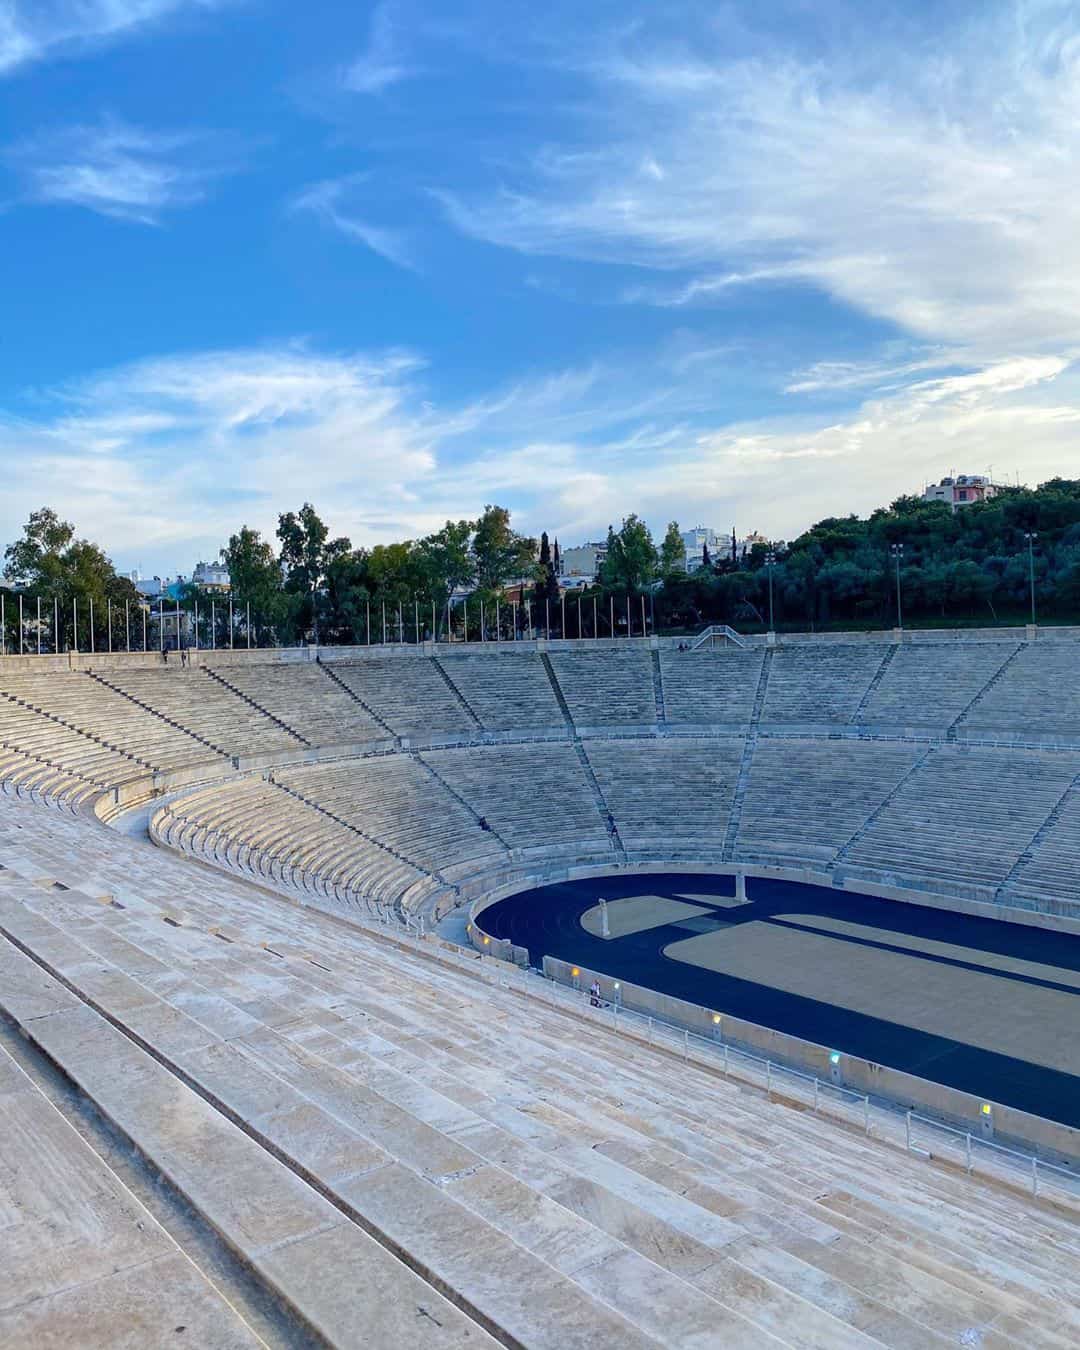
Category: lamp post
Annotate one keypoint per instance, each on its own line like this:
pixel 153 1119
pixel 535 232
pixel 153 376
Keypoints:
pixel 1031 536
pixel 897 551
pixel 770 559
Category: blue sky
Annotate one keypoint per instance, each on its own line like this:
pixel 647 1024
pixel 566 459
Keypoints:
pixel 724 263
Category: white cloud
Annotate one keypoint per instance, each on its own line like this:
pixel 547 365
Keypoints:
pixel 163 459
pixel 930 186
pixel 383 62
pixel 41 28
pixel 119 170
pixel 328 200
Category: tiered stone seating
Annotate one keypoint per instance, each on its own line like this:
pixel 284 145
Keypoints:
pixel 929 684
pixel 964 818
pixel 203 706
pixel 570 1187
pixel 507 690
pixel 806 798
pixel 817 685
pixel 668 796
pixel 607 687
pixel 306 700
pixel 1048 875
pixel 536 796
pixel 103 714
pixel 255 828
pixel 1038 694
pixel 84 1262
pixel 710 688
pixel 409 694
pixel 51 742
pixel 396 800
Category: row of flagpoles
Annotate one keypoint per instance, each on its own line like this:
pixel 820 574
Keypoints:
pixel 44 626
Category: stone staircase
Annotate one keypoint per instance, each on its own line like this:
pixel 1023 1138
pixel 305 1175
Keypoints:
pixel 560 697
pixel 362 834
pixel 990 683
pixel 864 702
pixel 216 675
pixel 328 670
pixel 843 852
pixel 443 783
pixel 170 721
pixel 731 833
pixel 601 801
pixel 1050 823
pixel 462 701
pixel 658 689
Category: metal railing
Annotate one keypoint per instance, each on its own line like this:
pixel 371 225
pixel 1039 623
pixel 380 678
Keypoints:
pixel 717 630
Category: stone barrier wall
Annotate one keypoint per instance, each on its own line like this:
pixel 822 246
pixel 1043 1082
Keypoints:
pixel 1004 1123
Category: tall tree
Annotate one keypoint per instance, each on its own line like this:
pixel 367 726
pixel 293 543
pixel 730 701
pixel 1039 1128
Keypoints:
pixel 303 562
pixel 255 577
pixel 672 552
pixel 632 559
pixel 50 563
pixel 445 563
pixel 546 590
pixel 500 554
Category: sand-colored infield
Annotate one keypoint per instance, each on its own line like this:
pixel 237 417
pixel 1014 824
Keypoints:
pixel 637 914
pixel 983 1008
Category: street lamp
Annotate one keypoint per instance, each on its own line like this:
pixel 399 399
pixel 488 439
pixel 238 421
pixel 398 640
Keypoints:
pixel 770 559
pixel 897 551
pixel 1031 536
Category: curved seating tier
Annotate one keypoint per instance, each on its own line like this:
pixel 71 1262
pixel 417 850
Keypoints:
pixel 948 767
pixel 981 824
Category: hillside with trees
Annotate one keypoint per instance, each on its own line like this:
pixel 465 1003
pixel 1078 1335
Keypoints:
pixel 971 567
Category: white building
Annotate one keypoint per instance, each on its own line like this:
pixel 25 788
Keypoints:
pixel 961 490
pixel 583 561
pixel 211 576
pixel 695 542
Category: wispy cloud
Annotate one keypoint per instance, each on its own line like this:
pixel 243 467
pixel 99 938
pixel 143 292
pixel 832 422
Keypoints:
pixel 163 459
pixel 33 31
pixel 931 191
pixel 383 62
pixel 116 169
pixel 334 201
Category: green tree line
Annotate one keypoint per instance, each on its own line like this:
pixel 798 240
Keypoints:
pixel 974 566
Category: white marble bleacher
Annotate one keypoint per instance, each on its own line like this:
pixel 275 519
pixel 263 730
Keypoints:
pixel 397 801
pixel 929 684
pixel 507 690
pixel 535 796
pixel 408 693
pixel 1038 695
pixel 805 798
pixel 607 686
pixel 304 697
pixel 199 704
pixel 98 712
pixel 575 1188
pixel 817 685
pixel 964 817
pixel 255 828
pixel 1048 875
pixel 710 688
pixel 84 1262
pixel 668 797
pixel 34 735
